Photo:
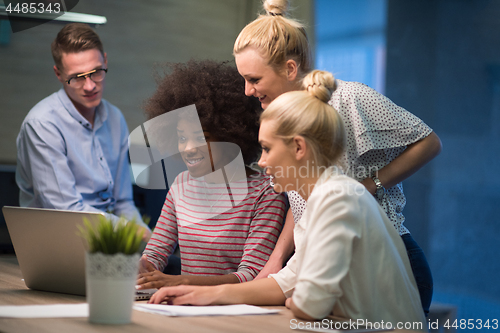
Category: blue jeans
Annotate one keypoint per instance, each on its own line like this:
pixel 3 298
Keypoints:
pixel 421 271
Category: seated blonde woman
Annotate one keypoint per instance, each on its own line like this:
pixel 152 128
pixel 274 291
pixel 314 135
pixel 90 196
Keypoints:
pixel 349 260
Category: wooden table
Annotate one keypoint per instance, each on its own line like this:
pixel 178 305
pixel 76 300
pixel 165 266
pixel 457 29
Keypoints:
pixel 14 292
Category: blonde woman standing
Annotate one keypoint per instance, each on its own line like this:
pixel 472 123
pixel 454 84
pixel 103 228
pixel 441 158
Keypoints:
pixel 385 143
pixel 349 260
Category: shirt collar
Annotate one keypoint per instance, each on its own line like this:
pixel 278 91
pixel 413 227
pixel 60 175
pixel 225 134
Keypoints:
pixel 100 117
pixel 331 171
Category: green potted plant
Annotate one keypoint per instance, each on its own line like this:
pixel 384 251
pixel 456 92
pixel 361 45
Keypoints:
pixel 111 266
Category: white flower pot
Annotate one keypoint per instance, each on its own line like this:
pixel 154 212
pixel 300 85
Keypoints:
pixel 110 286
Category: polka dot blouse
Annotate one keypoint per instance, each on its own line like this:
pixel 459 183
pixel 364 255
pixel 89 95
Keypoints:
pixel 377 132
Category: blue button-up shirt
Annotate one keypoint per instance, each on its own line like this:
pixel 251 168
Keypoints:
pixel 65 163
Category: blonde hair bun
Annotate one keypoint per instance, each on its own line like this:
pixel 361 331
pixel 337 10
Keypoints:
pixel 276 7
pixel 307 113
pixel 320 84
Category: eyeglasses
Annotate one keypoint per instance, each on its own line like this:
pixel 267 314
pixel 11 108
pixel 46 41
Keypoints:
pixel 96 75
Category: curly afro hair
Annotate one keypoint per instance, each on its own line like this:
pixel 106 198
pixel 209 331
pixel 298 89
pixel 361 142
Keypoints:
pixel 218 91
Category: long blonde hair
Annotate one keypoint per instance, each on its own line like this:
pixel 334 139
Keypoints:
pixel 277 37
pixel 308 114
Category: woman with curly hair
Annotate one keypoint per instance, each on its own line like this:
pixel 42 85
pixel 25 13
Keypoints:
pixel 225 217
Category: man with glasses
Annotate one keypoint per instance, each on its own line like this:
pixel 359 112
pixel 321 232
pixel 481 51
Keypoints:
pixel 72 150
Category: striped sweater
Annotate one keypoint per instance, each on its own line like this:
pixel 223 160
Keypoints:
pixel 219 231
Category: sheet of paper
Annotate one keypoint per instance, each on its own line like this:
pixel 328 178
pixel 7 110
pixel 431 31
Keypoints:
pixel 45 311
pixel 213 310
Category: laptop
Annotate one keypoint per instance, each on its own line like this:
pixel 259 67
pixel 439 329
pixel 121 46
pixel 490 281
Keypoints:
pixel 50 252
